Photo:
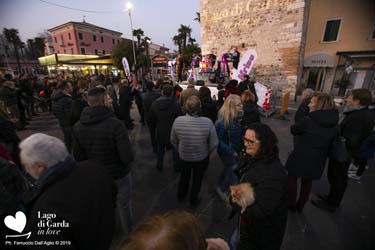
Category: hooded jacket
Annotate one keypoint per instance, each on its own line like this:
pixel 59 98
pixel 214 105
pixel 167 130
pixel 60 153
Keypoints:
pixel 162 114
pixel 315 134
pixel 62 108
pixel 100 136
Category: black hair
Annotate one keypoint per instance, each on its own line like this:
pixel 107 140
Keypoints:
pixel 63 85
pixel 8 77
pixel 167 90
pixel 268 141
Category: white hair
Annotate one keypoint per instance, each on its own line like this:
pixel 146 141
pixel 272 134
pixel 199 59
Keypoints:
pixel 308 92
pixel 42 148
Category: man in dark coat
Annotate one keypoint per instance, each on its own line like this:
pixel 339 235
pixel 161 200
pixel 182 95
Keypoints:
pixel 101 137
pixel 162 114
pixel 125 101
pixel 148 98
pixel 62 108
pixel 79 198
pixel 355 128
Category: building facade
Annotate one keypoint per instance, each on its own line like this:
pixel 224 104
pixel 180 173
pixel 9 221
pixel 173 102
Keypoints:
pixel 299 43
pixel 340 46
pixel 83 38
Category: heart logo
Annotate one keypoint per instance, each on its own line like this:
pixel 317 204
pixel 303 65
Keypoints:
pixel 16 223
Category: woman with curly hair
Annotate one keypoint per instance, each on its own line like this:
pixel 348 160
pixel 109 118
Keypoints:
pixel 262 224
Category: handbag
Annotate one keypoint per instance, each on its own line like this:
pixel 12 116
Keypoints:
pixel 338 151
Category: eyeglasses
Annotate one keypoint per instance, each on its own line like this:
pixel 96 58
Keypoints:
pixel 249 142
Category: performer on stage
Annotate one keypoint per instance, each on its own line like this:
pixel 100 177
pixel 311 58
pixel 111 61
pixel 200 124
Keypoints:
pixel 195 66
pixel 235 57
pixel 180 64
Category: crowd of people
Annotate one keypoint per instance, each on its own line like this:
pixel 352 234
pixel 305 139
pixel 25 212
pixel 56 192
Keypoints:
pixel 86 180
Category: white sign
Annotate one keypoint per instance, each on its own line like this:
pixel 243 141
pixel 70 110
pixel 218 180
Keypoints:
pixel 262 91
pixel 126 67
pixel 246 63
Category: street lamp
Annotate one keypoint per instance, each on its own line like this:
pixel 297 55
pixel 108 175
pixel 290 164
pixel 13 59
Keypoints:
pixel 128 7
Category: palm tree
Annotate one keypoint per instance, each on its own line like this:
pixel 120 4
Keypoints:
pixel 198 18
pixel 192 41
pixel 178 40
pixel 138 33
pixel 11 35
pixel 145 42
pixel 185 32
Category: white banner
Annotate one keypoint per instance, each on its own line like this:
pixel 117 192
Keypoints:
pixel 246 63
pixel 126 67
pixel 263 93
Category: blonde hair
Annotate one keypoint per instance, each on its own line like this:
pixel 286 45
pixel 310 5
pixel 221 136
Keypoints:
pixel 170 231
pixel 247 97
pixel 228 111
pixel 323 101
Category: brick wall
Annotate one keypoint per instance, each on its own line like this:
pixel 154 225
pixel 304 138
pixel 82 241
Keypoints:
pixel 274 28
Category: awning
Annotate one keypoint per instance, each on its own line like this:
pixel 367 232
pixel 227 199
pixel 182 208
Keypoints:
pixel 56 59
pixel 366 55
pixel 319 60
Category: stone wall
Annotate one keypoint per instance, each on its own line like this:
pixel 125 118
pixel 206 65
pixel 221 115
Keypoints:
pixel 274 28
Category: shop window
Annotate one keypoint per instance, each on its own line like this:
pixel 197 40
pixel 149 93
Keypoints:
pixel 331 31
pixel 83 51
pixel 80 36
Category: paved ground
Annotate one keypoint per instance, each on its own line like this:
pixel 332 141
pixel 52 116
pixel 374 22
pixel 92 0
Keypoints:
pixel 352 227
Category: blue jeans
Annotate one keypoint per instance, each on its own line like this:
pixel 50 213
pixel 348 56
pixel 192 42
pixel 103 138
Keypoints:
pixel 234 239
pixel 227 176
pixel 124 201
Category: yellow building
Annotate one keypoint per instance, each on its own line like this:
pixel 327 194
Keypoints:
pixel 340 46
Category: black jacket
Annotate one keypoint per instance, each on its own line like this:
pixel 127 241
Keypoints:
pixel 250 115
pixel 162 114
pixel 303 109
pixel 62 108
pixel 100 136
pixel 8 96
pixel 77 107
pixel 209 110
pixel 9 138
pixel 262 224
pixel 148 98
pixel 356 127
pixel 81 194
pixel 315 134
pixel 12 186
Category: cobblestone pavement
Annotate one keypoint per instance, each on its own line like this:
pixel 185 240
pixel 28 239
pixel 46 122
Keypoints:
pixel 352 227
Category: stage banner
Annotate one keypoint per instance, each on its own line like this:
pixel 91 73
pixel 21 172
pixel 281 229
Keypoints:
pixel 126 67
pixel 263 94
pixel 246 63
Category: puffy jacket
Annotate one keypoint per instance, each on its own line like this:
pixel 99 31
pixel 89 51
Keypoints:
pixel 100 136
pixel 62 108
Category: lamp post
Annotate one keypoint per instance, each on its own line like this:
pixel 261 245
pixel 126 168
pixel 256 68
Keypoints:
pixel 129 6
